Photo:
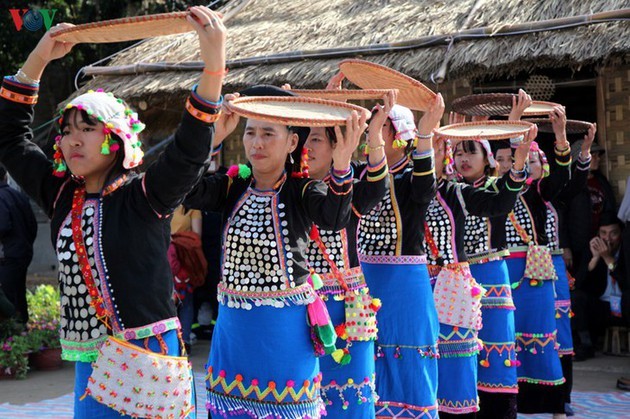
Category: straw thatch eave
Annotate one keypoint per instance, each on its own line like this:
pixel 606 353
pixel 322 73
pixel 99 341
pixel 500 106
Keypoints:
pixel 267 27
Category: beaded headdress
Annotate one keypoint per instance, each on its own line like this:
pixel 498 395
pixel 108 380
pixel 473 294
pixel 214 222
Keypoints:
pixel 117 119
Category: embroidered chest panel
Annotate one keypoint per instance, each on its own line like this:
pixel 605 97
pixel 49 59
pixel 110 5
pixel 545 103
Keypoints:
pixel 378 232
pixel 257 255
pixel 522 216
pixel 78 318
pixel 476 235
pixel 336 247
pixel 441 228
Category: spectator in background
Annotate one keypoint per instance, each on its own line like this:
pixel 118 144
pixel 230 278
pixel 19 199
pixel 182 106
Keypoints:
pixel 599 284
pixel 587 207
pixel 184 257
pixel 18 229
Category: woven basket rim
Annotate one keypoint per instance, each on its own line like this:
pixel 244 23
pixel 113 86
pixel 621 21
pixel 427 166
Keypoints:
pixel 344 93
pixel 294 120
pixel 465 104
pixel 540 102
pixel 573 127
pixel 416 96
pixel 118 25
pixel 524 124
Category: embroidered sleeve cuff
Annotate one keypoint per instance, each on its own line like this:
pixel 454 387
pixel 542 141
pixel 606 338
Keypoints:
pixel 378 171
pixel 200 109
pixel 514 182
pixel 583 164
pixel 423 163
pixel 562 157
pixel 17 92
pixel 341 184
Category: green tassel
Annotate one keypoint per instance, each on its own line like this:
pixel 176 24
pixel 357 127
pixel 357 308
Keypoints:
pixel 244 171
pixel 137 127
pixel 105 149
pixel 61 167
pixel 327 336
pixel 317 281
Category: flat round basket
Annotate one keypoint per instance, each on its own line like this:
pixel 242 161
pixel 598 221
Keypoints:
pixel 486 130
pixel 343 94
pixel 125 29
pixel 295 110
pixel 486 104
pixel 573 127
pixel 367 75
pixel 538 107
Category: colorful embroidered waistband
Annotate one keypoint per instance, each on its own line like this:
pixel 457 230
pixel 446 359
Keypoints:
pixel 488 257
pixel 458 407
pixel 354 279
pixel 394 260
pixel 81 351
pixel 301 295
pixel 390 409
pixel 152 329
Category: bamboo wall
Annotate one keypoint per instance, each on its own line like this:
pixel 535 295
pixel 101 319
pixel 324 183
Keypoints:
pixel 613 117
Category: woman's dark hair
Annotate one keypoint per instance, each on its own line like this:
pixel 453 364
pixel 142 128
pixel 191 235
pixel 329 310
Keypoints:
pixel 117 168
pixel 470 146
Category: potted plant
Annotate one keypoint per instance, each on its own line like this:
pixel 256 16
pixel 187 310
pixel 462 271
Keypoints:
pixel 43 327
pixel 44 342
pixel 14 357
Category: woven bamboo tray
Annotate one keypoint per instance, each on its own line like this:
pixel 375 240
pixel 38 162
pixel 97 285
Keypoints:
pixel 368 75
pixel 295 111
pixel 486 104
pixel 126 29
pixel 343 94
pixel 573 127
pixel 485 130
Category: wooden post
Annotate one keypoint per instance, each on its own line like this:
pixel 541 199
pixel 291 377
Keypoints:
pixel 601 115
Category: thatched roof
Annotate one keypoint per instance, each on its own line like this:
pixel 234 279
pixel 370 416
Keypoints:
pixel 268 27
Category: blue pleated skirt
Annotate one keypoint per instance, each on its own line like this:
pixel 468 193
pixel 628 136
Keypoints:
pixel 262 364
pixel 497 359
pixel 563 307
pixel 536 331
pixel 406 363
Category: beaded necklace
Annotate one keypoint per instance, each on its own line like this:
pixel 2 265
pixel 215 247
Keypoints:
pixel 97 302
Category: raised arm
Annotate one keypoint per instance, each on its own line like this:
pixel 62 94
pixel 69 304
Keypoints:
pixel 553 184
pixel 423 183
pixel 330 207
pixel 579 176
pixel 25 161
pixel 182 164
